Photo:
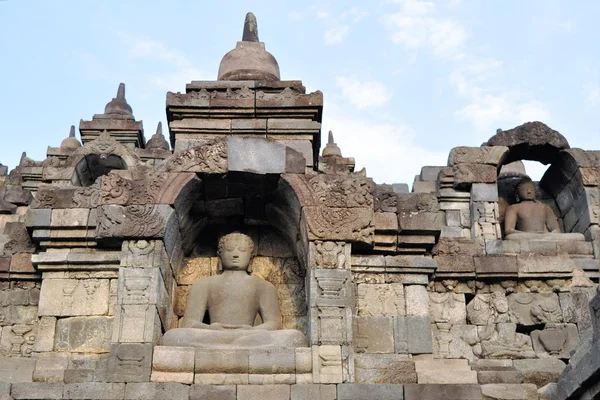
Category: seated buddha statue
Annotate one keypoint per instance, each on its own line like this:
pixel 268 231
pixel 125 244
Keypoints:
pixel 233 300
pixel 530 219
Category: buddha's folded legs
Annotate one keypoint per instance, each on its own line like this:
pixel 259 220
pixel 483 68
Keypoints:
pixel 238 338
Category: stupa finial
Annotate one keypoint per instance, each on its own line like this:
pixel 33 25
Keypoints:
pixel 72 131
pixel 331 148
pixel 250 29
pixel 121 92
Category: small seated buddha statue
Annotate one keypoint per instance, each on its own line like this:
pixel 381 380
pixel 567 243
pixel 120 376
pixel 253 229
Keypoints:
pixel 233 300
pixel 530 219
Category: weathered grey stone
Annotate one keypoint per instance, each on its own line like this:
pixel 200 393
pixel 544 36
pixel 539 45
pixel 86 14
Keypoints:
pixel 45 335
pixel 506 391
pixel 557 340
pixel 136 323
pixel 418 332
pixel 448 307
pixel 313 392
pixel 540 371
pixel 327 364
pixel 225 361
pixel 94 390
pixel 442 391
pixel 73 297
pixel 380 299
pixel 130 362
pixel 37 391
pixel 548 392
pixel 213 392
pixel 353 391
pixel 173 359
pixel 37 218
pixel 50 367
pixel 16 369
pixel 272 361
pixel 492 365
pixel 535 308
pixel 252 392
pixel 84 334
pixel 386 368
pixel 331 287
pixel 70 217
pixel 374 334
pixel 156 391
pixel 496 265
pixel 261 156
pixel 575 308
pixel 488 377
pixel 484 192
pixel 417 300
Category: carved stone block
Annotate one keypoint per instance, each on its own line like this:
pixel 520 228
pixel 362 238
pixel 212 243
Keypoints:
pixel 145 286
pixel 343 224
pixel 556 340
pixel 142 221
pixel 374 335
pixel 535 308
pixel 327 364
pixel 220 379
pixel 143 254
pixel 380 299
pixel 331 287
pixel 417 300
pixel 84 334
pixel 130 362
pixel 448 308
pixel 331 325
pixel 303 360
pixel 72 297
pixel 329 255
pixel 18 340
pixel 178 362
pixel 486 309
pixel 136 323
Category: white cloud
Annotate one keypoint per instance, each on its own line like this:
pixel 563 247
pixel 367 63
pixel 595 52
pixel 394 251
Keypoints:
pixel 387 150
pixel 355 14
pixel 487 112
pixel 416 26
pixel 566 25
pixel 322 15
pixel 336 35
pixel 366 94
pixel 180 69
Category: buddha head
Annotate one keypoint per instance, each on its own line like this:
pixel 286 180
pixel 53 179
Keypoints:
pixel 525 190
pixel 235 251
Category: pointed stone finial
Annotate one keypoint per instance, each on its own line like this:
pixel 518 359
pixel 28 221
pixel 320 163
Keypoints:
pixel 119 105
pixel 70 143
pixel 250 29
pixel 23 157
pixel 331 149
pixel 121 91
pixel 158 141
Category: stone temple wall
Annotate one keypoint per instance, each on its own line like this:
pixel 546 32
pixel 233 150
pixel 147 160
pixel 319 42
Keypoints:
pixel 400 295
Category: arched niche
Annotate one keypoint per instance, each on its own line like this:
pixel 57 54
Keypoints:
pixel 92 166
pixel 561 187
pixel 265 208
pixel 98 158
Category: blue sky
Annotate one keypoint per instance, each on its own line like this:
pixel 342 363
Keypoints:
pixel 403 81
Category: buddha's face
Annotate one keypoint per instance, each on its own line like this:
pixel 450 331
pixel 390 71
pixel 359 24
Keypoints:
pixel 235 254
pixel 527 191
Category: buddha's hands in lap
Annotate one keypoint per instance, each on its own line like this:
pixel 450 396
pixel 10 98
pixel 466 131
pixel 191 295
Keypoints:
pixel 224 327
